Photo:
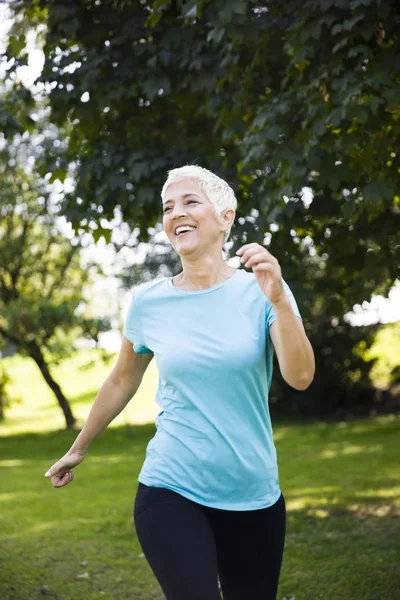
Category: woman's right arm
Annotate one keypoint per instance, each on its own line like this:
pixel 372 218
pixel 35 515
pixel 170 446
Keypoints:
pixel 115 393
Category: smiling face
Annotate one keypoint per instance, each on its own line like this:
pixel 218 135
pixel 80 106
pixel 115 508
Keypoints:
pixel 190 220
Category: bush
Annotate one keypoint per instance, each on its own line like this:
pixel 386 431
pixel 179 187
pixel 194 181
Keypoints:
pixel 342 384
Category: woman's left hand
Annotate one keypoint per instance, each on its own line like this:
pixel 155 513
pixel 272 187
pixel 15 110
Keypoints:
pixel 265 268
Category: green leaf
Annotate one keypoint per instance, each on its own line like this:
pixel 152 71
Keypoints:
pixel 349 209
pixel 15 45
pixel 356 3
pixel 325 5
pixel 377 191
pixel 59 174
pixel 260 120
pixel 225 13
pixel 102 233
pixel 360 49
pixel 339 45
pixel 392 95
pixel 239 6
pixel 337 28
pixel 216 34
pixel 349 24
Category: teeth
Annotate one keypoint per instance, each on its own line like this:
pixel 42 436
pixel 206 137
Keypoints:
pixel 184 228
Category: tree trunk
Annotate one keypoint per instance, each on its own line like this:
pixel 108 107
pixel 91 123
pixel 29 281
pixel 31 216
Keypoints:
pixel 63 402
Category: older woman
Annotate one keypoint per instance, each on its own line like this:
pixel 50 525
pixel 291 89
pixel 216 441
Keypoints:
pixel 209 504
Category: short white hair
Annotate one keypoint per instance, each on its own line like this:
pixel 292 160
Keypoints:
pixel 219 193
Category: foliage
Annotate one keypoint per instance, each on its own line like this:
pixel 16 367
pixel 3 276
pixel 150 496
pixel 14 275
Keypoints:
pixel 385 351
pixel 159 261
pixel 42 280
pixel 41 277
pixel 275 97
pixel 342 384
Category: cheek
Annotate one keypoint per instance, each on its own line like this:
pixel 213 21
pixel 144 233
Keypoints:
pixel 166 223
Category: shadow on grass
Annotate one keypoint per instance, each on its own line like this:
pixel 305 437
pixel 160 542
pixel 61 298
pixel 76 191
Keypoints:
pixel 32 446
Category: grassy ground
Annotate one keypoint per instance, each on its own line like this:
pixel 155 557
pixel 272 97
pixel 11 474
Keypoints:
pixel 80 378
pixel 341 482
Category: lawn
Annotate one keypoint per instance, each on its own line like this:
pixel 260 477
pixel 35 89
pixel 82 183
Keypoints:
pixel 341 482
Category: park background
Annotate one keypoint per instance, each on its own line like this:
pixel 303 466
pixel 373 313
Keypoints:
pixel 297 105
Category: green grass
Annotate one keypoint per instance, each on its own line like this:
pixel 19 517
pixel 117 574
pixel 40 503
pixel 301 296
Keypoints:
pixel 39 410
pixel 341 482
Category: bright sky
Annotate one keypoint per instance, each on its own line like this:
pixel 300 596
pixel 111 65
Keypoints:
pixel 380 309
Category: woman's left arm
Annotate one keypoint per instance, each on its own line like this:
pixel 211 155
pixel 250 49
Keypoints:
pixel 292 347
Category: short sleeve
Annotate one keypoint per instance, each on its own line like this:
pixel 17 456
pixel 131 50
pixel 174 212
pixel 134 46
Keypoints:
pixel 271 317
pixel 133 330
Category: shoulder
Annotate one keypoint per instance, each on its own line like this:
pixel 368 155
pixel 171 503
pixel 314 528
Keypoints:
pixel 150 287
pixel 143 292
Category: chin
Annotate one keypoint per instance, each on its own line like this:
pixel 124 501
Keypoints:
pixel 184 249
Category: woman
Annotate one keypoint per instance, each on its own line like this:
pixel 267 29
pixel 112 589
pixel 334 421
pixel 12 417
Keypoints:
pixel 208 504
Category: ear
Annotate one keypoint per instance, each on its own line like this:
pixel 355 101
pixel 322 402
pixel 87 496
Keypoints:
pixel 227 218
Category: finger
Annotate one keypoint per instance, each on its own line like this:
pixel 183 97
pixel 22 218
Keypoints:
pixel 56 481
pixel 251 251
pixel 257 258
pixel 263 267
pixel 59 475
pixel 50 472
pixel 56 468
pixel 60 481
pixel 268 254
pixel 256 250
pixel 246 247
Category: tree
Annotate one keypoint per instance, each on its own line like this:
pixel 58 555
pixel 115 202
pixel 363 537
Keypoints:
pixel 276 97
pixel 42 280
pixel 273 96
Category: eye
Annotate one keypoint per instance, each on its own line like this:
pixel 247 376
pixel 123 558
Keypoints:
pixel 191 202
pixel 166 209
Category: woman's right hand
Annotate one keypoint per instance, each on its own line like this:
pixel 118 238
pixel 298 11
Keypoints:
pixel 60 473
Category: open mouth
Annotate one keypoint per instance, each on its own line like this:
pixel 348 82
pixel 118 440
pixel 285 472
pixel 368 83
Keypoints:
pixel 184 230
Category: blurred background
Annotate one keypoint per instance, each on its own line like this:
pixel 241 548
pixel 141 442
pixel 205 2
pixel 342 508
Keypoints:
pixel 297 105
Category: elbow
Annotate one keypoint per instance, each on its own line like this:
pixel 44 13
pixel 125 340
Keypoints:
pixel 302 383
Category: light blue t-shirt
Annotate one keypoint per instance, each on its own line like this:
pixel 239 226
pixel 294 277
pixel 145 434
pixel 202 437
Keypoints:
pixel 212 347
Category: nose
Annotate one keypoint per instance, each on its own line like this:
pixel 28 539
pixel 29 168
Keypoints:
pixel 178 210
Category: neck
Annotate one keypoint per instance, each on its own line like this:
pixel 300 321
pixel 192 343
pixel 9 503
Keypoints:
pixel 202 273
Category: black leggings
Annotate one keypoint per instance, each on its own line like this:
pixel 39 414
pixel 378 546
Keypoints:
pixel 189 546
